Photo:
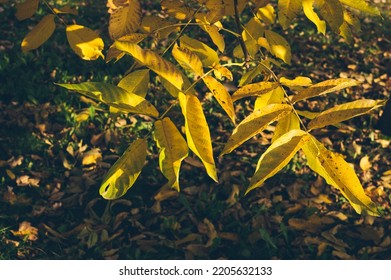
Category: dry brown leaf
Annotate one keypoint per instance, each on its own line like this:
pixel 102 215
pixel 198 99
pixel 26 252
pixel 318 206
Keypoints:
pixel 26 230
pixel 365 164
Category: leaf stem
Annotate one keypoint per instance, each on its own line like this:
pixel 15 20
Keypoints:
pixel 240 30
pixel 52 10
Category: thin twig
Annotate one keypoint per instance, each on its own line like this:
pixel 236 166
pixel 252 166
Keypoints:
pixel 240 30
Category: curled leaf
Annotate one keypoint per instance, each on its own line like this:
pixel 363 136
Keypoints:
pixel 85 42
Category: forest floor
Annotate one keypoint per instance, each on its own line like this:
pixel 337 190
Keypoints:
pixel 50 139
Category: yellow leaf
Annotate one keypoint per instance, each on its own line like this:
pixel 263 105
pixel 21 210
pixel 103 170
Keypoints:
pixel 125 19
pixel 124 173
pixel 308 9
pixel 221 71
pixel 115 97
pixel 267 14
pixel 279 46
pixel 252 48
pixel 66 10
pixel 253 29
pixel 85 42
pixel 277 156
pixel 249 76
pixel 338 173
pixel 362 6
pixel 188 60
pixel 173 149
pixel 343 112
pixel 136 82
pixel 324 87
pixel 158 26
pixel 177 9
pixel 287 11
pixel 83 116
pixel 275 96
pixel 352 20
pixel 254 124
pixel 365 164
pixel 256 89
pixel 216 9
pixel 207 55
pixel 346 32
pixel 92 157
pixel 26 9
pixel 307 114
pixel 173 90
pixel 222 96
pixel 26 230
pixel 214 34
pixel 197 132
pixel 297 83
pixel 229 6
pixel 153 61
pixel 332 12
pixel 287 123
pixel 116 54
pixel 39 34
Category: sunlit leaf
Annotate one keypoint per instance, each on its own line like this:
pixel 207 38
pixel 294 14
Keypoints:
pixel 188 60
pixel 279 46
pixel 324 87
pixel 288 11
pixel 297 83
pixel 136 82
pixel 116 54
pixel 153 61
pixel 254 124
pixel 197 132
pixel 343 112
pixel 85 42
pixel 187 86
pixel 26 9
pixel 275 96
pixel 308 9
pixel 332 12
pixel 286 124
pixel 173 149
pixel 222 96
pixel 207 55
pixel 92 157
pixel 267 14
pixel 338 173
pixel 249 76
pixel 253 29
pixel 114 96
pixel 362 6
pixel 277 156
pixel 214 34
pixel 221 71
pixel 124 173
pixel 255 89
pixel 39 34
pixel 125 19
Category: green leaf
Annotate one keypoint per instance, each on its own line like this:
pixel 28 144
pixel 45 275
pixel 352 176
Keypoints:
pixel 222 96
pixel 124 173
pixel 114 96
pixel 362 6
pixel 173 149
pixel 39 34
pixel 197 132
pixel 343 112
pixel 188 60
pixel 287 11
pixel 254 124
pixel 125 19
pixel 277 156
pixel 153 61
pixel 85 42
pixel 136 82
pixel 207 55
pixel 279 46
pixel 309 12
pixel 339 174
pixel 324 87
pixel 255 89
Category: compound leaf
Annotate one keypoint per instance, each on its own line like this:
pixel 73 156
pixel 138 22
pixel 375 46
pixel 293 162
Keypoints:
pixel 124 173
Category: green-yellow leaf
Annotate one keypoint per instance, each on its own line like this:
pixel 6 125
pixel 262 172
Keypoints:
pixel 324 87
pixel 26 9
pixel 277 156
pixel 39 34
pixel 267 14
pixel 362 6
pixel 188 60
pixel 253 29
pixel 222 96
pixel 343 112
pixel 136 82
pixel 297 83
pixel 249 76
pixel 124 173
pixel 207 55
pixel 287 123
pixel 116 54
pixel 287 11
pixel 153 61
pixel 332 12
pixel 158 26
pixel 308 8
pixel 346 32
pixel 125 19
pixel 173 149
pixel 339 174
pixel 171 89
pixel 177 9
pixel 275 96
pixel 255 89
pixel 221 71
pixel 197 132
pixel 114 96
pixel 214 34
pixel 279 46
pixel 352 20
pixel 252 48
pixel 85 42
pixel 254 124
pixel 66 10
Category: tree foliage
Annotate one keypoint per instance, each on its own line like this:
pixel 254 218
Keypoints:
pixel 162 43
